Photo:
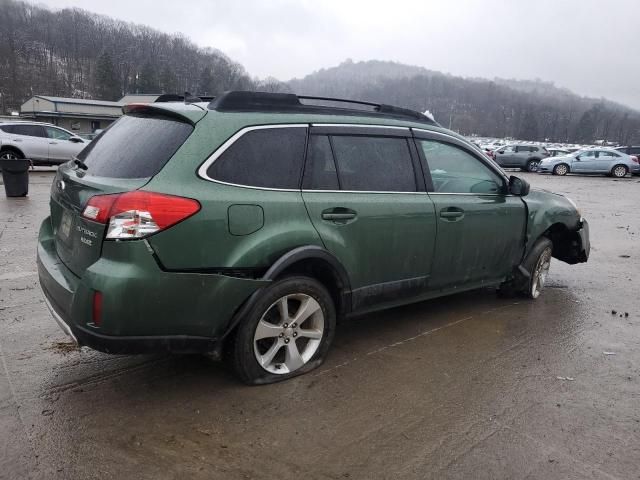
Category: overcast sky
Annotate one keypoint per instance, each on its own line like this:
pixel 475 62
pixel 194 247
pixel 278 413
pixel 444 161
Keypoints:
pixel 589 46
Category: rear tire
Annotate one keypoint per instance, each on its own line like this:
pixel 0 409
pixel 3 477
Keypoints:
pixel 561 169
pixel 619 171
pixel 286 333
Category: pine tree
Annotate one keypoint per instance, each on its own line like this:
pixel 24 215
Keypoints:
pixel 107 85
pixel 148 79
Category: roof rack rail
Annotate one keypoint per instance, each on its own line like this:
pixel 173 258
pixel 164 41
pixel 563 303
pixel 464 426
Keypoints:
pixel 249 101
pixel 186 98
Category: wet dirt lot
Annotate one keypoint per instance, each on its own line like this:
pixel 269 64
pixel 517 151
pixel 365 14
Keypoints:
pixel 470 386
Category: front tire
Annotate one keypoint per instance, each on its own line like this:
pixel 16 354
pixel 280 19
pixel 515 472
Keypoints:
pixel 10 154
pixel 537 264
pixel 287 333
pixel 561 169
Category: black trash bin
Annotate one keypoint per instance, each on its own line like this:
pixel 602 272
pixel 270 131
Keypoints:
pixel 15 175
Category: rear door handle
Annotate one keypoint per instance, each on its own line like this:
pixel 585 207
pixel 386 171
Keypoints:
pixel 338 214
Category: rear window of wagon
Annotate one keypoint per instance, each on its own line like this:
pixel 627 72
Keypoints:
pixel 135 146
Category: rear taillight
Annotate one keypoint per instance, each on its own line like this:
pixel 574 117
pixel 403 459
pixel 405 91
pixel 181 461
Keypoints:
pixel 634 158
pixel 138 214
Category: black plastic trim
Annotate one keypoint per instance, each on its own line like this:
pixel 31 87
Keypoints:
pixel 380 293
pixel 308 252
pixel 355 130
pixel 286 260
pixel 144 344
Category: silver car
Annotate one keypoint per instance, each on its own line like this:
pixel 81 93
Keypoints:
pixel 42 143
pixel 591 160
pixel 524 157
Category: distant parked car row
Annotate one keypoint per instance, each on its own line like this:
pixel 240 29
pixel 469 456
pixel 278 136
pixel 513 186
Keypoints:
pixel 564 159
pixel 42 143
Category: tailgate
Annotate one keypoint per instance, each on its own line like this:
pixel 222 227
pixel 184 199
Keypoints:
pixel 121 159
pixel 78 241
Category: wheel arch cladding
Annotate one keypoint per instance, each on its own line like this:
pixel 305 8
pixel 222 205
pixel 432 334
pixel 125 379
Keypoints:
pixel 312 261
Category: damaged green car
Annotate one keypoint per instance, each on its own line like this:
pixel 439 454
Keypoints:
pixel 246 225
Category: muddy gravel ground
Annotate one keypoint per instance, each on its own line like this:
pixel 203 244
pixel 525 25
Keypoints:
pixel 470 386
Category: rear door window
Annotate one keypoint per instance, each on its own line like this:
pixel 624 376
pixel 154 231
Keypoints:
pixel 376 164
pixel 265 157
pixel 320 170
pixel 135 146
pixel 29 130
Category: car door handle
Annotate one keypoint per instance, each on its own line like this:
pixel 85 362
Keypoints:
pixel 338 214
pixel 17 139
pixel 53 143
pixel 452 214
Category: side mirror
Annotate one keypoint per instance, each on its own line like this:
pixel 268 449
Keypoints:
pixel 76 140
pixel 518 186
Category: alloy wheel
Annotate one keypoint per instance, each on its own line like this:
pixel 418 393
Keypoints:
pixel 9 155
pixel 561 170
pixel 532 166
pixel 540 273
pixel 289 333
pixel 619 171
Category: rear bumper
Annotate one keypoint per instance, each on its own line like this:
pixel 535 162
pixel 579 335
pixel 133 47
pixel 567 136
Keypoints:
pixel 144 308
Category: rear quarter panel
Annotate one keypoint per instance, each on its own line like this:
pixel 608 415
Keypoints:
pixel 204 241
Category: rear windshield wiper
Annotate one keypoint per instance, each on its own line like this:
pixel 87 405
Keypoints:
pixel 79 163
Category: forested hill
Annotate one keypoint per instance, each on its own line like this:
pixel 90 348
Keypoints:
pixel 530 110
pixel 75 53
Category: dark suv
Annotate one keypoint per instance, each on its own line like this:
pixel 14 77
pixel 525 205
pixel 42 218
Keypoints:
pixel 248 225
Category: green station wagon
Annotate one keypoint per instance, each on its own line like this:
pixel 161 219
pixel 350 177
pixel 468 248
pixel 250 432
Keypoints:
pixel 245 226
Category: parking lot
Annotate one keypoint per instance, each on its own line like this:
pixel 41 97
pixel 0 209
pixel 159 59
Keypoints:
pixel 469 386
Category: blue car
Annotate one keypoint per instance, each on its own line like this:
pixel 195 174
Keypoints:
pixel 592 160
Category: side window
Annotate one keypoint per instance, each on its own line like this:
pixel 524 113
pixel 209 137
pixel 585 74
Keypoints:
pixel 509 149
pixel 269 157
pixel 454 170
pixel 57 134
pixel 377 164
pixel 7 128
pixel 320 170
pixel 29 130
